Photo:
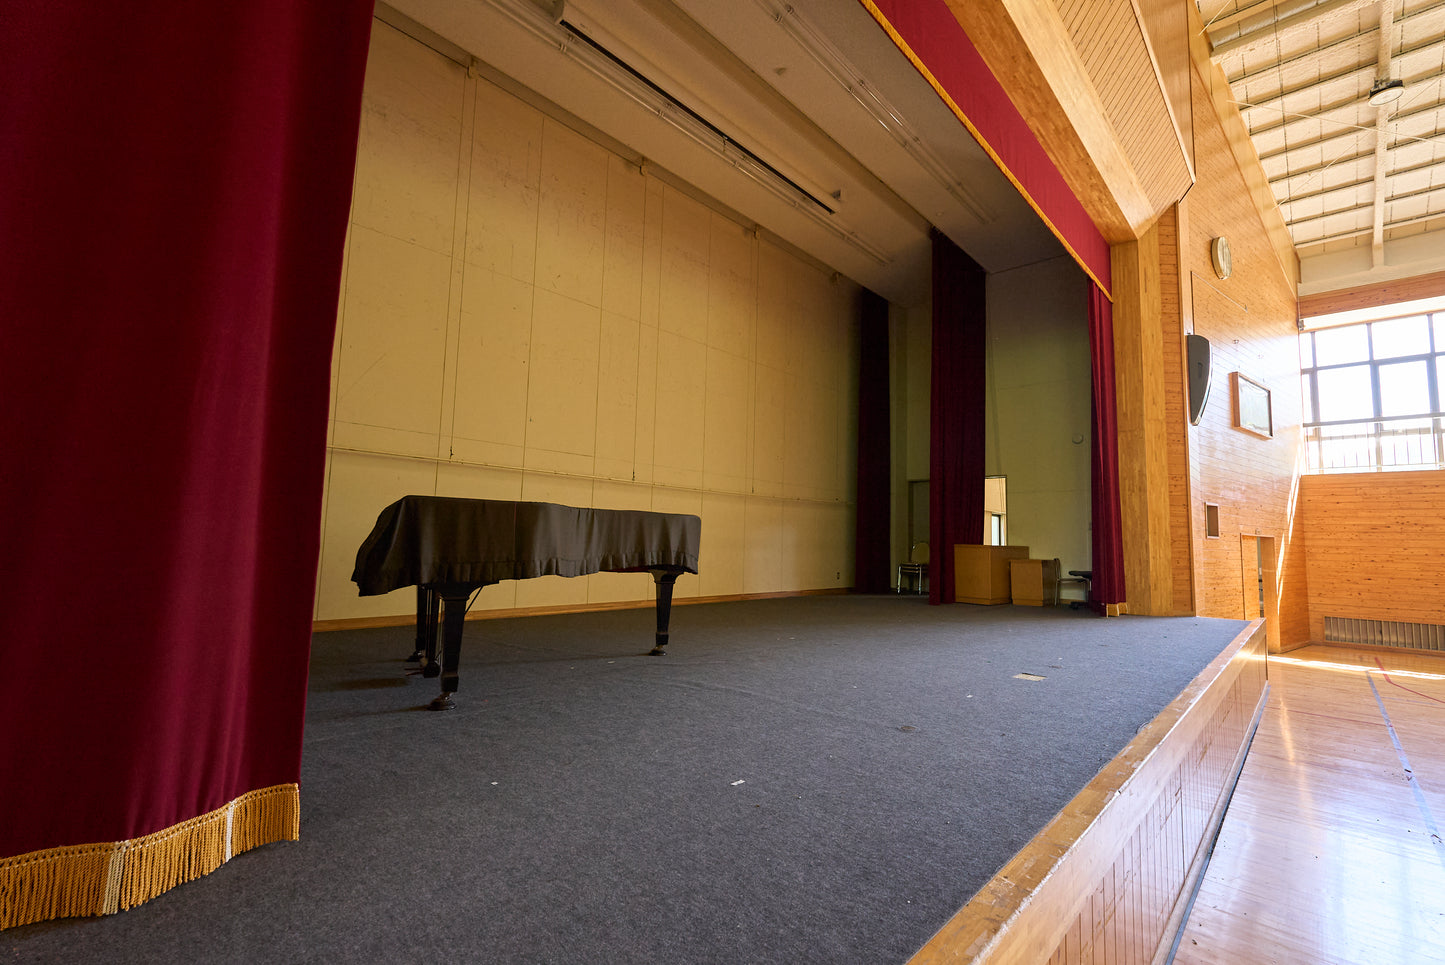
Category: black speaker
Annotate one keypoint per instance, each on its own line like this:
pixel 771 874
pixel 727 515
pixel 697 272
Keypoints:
pixel 1201 372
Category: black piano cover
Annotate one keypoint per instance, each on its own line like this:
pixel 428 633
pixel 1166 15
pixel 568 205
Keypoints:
pixel 441 539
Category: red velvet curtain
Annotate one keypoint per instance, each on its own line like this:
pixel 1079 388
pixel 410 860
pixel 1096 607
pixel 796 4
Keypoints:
pixel 956 444
pixel 176 184
pixel 874 506
pixel 1108 534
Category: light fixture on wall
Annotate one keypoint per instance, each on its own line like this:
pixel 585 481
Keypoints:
pixel 1386 90
pixel 587 52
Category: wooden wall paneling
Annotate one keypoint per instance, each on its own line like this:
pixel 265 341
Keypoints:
pixel 1143 455
pixel 1029 50
pixel 1103 882
pixel 1369 296
pixel 1176 411
pixel 1249 319
pixel 1218 105
pixel 1111 41
pixel 1374 545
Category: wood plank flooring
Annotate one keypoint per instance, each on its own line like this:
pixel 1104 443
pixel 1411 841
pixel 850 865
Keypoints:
pixel 1331 850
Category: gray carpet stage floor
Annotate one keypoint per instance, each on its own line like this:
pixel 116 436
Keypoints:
pixel 817 779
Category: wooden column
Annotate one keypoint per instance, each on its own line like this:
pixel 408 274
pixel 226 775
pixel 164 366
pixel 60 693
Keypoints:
pixel 1143 453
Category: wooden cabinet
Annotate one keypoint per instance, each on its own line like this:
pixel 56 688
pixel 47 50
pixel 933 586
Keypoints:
pixel 1034 582
pixel 981 573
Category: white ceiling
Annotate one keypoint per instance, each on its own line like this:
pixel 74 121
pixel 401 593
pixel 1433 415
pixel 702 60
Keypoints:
pixel 813 88
pixel 1362 188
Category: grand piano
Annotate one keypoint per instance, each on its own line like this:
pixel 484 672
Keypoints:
pixel 449 548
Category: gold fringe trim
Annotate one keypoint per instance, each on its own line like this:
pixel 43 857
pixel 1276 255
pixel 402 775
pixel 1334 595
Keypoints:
pixel 101 879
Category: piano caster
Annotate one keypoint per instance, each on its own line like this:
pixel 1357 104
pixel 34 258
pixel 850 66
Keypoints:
pixel 442 702
pixel 657 652
pixel 415 657
pixel 431 670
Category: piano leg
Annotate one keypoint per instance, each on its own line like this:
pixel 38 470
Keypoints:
pixel 454 598
pixel 427 611
pixel 664 578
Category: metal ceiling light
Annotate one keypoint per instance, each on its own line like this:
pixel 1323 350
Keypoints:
pixel 1386 90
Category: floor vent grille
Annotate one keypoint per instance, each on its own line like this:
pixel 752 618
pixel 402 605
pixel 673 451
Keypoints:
pixel 1386 633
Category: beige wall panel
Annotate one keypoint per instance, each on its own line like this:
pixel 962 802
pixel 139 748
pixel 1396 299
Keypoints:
pixel 493 354
pixel 572 215
pixel 617 378
pixel 686 238
pixel 336 337
pixel 810 441
pixel 360 486
pixel 817 545
pixel 762 545
pixel 725 522
pixel 681 395
pixel 647 403
pixel 562 388
pixel 393 336
pixel 770 415
pixel 776 269
pixel 732 306
pixel 496 366
pixel 505 186
pixel 408 143
pixel 812 329
pixel 727 409
pixel 651 291
pixel 623 245
pixel 680 501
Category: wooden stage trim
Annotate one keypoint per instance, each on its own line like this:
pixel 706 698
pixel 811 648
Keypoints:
pixel 409 619
pixel 1102 881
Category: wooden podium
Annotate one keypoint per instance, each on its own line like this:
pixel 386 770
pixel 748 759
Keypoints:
pixel 981 573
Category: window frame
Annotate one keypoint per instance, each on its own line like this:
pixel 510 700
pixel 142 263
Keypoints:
pixel 1379 432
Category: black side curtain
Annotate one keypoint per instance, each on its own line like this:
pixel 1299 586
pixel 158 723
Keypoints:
pixel 871 542
pixel 957 425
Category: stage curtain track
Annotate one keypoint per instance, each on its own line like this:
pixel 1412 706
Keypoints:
pixel 173 210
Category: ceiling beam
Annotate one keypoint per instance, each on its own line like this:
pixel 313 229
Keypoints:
pixel 1394 172
pixel 1423 192
pixel 1427 111
pixel 1306 57
pixel 1278 31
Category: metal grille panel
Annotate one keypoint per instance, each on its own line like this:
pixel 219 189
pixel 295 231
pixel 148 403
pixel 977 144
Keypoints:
pixel 1385 633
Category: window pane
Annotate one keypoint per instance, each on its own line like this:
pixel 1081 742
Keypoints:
pixel 1407 443
pixel 1336 345
pixel 1345 393
pixel 1404 389
pixel 1401 336
pixel 1439 320
pixel 1308 398
pixel 1347 447
pixel 1306 351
